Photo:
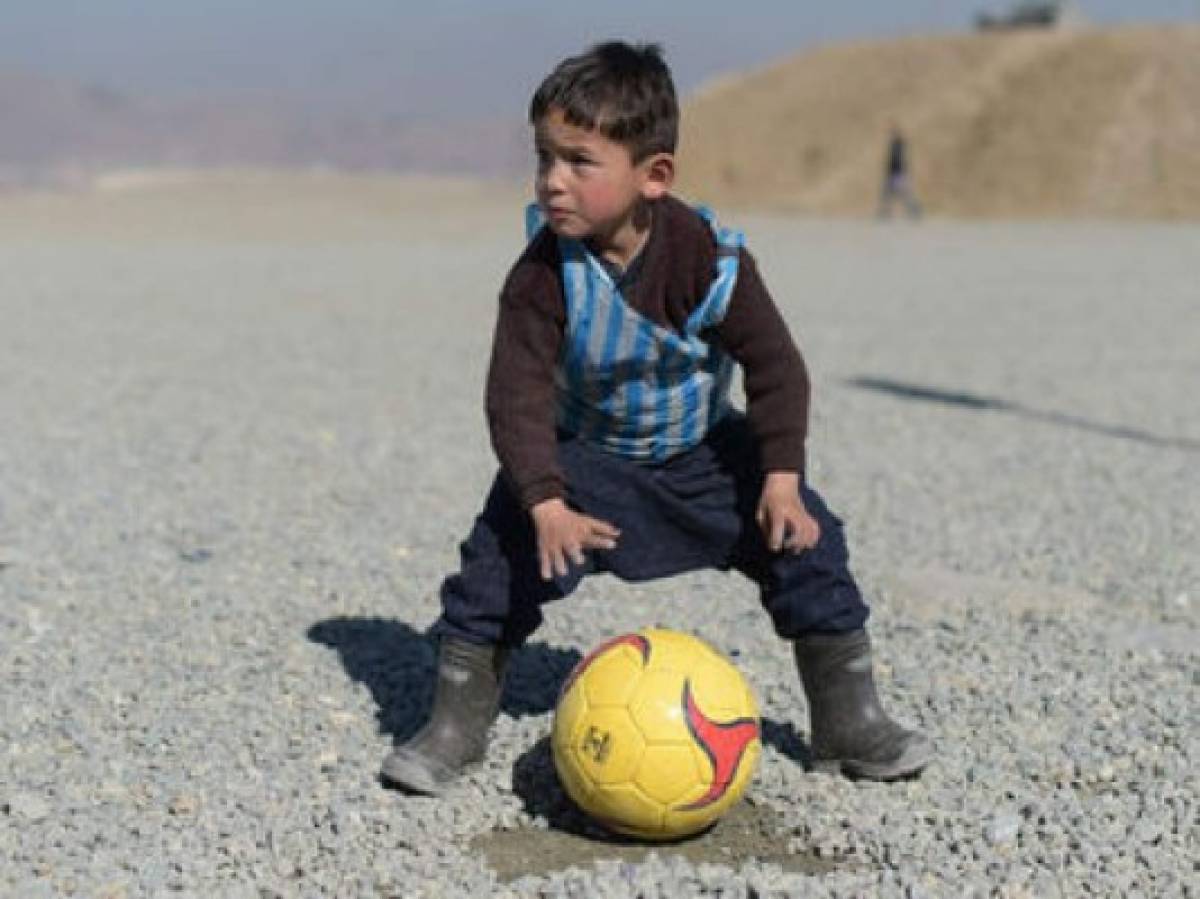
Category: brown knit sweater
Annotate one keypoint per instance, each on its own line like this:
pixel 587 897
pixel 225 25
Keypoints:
pixel 669 278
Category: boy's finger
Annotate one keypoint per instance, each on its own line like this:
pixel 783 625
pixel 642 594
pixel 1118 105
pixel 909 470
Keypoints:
pixel 777 534
pixel 597 541
pixel 604 529
pixel 544 564
pixel 560 563
pixel 576 555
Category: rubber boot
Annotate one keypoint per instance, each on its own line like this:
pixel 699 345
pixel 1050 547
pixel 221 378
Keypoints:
pixel 849 730
pixel 466 702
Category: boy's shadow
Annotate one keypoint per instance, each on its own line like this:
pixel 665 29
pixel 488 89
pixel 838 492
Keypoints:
pixel 396 663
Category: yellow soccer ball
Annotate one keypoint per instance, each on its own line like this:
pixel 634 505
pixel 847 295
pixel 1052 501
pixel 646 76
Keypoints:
pixel 656 735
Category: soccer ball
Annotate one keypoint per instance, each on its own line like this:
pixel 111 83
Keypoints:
pixel 655 735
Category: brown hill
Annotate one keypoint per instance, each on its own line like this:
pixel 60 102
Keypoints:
pixel 1060 123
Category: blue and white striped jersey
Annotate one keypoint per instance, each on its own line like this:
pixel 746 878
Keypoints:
pixel 626 383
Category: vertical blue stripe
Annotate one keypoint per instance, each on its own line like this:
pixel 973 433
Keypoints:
pixel 587 316
pixel 691 410
pixel 606 406
pixel 612 333
pixel 662 403
pixel 636 417
pixel 628 368
pixel 676 406
pixel 630 385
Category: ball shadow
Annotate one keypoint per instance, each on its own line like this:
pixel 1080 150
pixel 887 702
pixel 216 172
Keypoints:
pixel 535 782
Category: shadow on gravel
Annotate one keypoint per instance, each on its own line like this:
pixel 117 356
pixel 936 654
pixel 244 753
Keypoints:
pixel 748 831
pixel 396 663
pixel 975 401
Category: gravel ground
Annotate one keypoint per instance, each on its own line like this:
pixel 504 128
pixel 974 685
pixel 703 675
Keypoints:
pixel 241 439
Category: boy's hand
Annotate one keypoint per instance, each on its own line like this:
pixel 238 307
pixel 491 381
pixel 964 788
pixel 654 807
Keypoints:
pixel 781 514
pixel 563 534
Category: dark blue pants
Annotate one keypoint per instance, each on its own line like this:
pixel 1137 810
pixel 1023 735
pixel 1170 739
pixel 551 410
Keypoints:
pixel 694 511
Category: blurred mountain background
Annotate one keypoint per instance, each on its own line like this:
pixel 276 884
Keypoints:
pixel 59 131
pixel 1077 120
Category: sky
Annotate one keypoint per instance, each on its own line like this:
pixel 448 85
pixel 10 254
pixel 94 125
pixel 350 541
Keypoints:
pixel 447 59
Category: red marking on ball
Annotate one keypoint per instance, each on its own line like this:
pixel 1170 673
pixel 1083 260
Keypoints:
pixel 724 742
pixel 637 641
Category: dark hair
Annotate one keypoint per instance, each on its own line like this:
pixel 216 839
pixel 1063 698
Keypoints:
pixel 625 91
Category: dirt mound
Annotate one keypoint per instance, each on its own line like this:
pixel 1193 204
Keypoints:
pixel 1028 124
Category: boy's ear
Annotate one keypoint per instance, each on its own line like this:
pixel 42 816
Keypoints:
pixel 659 175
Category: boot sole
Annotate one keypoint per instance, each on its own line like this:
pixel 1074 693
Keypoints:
pixel 915 758
pixel 413 777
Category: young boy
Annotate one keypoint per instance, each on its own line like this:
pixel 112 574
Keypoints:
pixel 608 406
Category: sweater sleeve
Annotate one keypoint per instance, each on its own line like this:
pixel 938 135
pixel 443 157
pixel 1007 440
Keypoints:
pixel 520 381
pixel 775 376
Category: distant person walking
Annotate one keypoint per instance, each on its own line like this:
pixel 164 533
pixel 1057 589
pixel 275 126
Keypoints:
pixel 896 183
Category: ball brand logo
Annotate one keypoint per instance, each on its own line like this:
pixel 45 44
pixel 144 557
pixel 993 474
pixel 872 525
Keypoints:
pixel 723 742
pixel 596 744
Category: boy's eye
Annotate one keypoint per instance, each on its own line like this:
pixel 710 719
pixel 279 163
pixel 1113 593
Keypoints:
pixel 546 157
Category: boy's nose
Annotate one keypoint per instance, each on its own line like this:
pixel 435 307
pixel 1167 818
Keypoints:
pixel 551 177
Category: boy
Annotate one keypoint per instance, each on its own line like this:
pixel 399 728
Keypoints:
pixel 608 407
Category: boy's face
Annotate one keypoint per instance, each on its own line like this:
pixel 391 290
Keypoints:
pixel 588 186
